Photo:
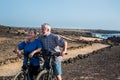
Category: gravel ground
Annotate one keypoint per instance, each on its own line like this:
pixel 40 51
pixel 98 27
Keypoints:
pixel 105 65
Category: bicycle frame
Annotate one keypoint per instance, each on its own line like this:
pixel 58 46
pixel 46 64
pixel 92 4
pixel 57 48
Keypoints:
pixel 48 72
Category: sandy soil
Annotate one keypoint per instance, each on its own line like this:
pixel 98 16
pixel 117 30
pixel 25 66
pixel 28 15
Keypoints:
pixel 10 69
pixel 89 39
pixel 86 50
pixel 82 38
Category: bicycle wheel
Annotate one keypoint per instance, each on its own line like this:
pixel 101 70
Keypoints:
pixel 51 75
pixel 20 76
pixel 43 75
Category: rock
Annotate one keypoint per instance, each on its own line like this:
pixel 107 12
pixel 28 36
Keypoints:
pixel 70 60
pixel 80 56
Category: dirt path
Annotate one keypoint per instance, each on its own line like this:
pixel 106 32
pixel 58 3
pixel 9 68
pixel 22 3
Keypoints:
pixel 86 50
pixel 10 69
pixel 13 68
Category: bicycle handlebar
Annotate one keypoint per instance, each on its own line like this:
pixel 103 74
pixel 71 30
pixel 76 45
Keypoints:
pixel 45 53
pixel 50 53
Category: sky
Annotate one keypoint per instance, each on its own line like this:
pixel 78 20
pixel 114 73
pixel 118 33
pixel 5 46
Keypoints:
pixel 74 14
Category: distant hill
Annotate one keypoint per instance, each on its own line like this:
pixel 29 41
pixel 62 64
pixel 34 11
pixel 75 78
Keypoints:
pixel 77 32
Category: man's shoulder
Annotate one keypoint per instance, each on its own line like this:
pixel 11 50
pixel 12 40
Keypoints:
pixel 54 35
pixel 39 37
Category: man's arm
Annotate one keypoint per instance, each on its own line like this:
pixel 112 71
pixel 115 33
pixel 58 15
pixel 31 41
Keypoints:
pixel 64 50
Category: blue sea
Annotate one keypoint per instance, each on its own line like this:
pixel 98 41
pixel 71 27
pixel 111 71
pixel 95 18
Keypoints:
pixel 105 36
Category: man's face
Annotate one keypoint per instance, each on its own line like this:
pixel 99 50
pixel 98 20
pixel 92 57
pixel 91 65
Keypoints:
pixel 44 30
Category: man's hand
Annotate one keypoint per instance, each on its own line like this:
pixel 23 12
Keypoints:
pixel 64 49
pixel 63 53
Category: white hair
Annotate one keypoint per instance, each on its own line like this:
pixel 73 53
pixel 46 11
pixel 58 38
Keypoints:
pixel 47 26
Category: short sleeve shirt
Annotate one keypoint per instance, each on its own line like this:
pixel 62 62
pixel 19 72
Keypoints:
pixel 28 48
pixel 51 42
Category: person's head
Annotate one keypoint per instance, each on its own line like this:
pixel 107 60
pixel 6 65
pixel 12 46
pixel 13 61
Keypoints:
pixel 46 28
pixel 31 33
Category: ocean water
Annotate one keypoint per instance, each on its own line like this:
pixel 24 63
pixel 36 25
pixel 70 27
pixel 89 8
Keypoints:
pixel 105 36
